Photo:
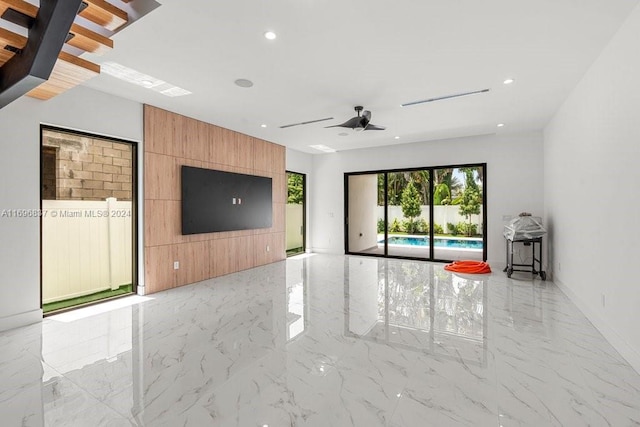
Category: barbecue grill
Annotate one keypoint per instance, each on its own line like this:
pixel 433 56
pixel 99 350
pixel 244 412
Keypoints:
pixel 528 230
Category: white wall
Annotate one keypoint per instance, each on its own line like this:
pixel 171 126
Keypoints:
pixel 80 108
pixel 363 218
pixel 300 162
pixel 591 154
pixel 513 181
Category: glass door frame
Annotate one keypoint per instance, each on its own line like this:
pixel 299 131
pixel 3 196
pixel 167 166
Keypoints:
pixel 304 209
pixel 134 210
pixel 431 170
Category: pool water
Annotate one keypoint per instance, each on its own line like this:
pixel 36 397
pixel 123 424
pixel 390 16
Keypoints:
pixel 438 242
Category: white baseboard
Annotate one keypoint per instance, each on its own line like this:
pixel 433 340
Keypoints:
pixel 629 353
pixel 325 251
pixel 22 319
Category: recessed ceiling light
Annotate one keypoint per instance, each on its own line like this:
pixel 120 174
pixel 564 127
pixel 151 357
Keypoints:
pixel 500 125
pixel 508 81
pixel 243 83
pixel 130 75
pixel 324 148
pixel 263 125
pixel 270 35
pixel 396 137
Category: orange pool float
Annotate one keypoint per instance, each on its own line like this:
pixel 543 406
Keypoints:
pixel 469 267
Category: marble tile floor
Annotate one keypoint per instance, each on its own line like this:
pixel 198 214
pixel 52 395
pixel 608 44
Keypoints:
pixel 322 340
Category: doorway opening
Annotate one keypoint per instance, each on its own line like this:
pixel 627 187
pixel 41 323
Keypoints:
pixel 296 216
pixel 88 222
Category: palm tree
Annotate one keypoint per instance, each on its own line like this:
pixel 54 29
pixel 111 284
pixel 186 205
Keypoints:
pixel 421 181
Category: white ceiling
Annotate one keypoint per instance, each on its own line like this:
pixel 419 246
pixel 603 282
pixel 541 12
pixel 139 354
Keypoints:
pixel 332 55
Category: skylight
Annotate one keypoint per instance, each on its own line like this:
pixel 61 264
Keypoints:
pixel 146 81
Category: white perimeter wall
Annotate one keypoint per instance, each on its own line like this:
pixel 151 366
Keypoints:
pixel 591 155
pixel 86 247
pixel 514 181
pixel 80 108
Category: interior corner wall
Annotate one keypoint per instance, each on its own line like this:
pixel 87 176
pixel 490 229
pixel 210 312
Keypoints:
pixel 514 181
pixel 80 109
pixel 363 212
pixel 591 153
pixel 172 140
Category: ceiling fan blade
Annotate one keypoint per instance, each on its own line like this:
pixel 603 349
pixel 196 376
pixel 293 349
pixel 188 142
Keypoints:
pixel 352 123
pixel 374 127
pixel 306 123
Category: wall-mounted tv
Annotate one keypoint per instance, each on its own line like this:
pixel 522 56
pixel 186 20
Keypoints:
pixel 214 200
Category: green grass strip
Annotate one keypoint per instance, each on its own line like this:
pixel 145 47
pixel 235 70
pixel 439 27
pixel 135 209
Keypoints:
pixel 72 302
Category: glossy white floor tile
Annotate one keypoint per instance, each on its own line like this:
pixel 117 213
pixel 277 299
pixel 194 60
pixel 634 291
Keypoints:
pixel 322 341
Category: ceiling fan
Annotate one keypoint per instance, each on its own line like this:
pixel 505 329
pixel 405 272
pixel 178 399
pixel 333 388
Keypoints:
pixel 360 122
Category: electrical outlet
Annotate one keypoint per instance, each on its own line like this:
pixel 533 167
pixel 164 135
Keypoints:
pixel 176 265
pixel 268 248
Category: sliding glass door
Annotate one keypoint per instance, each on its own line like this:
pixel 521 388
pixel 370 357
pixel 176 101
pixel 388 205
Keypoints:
pixel 365 231
pixel 295 217
pixel 408 215
pixel 88 221
pixel 458 211
pixel 434 213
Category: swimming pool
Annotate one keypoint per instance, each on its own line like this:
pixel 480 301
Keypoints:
pixel 438 242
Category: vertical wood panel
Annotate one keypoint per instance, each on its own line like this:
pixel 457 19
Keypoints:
pixel 220 261
pixel 159 272
pixel 159 177
pixel 194 262
pixel 242 251
pixel 171 141
pixel 246 156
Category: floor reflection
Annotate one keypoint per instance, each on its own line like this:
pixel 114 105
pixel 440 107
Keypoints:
pixel 322 341
pixel 416 306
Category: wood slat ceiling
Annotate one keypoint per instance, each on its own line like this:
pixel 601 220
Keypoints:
pixel 70 70
pixel 104 14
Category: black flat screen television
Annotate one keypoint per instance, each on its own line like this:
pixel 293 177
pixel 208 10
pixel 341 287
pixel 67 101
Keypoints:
pixel 214 200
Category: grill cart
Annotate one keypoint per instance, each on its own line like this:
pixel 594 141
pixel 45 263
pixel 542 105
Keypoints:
pixel 528 230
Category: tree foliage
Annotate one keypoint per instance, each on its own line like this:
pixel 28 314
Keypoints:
pixel 441 194
pixel 411 205
pixel 295 189
pixel 471 200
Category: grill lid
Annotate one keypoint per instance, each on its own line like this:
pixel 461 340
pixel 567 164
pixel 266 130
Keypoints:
pixel 524 227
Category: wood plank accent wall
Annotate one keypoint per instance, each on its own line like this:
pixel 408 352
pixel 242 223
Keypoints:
pixel 172 140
